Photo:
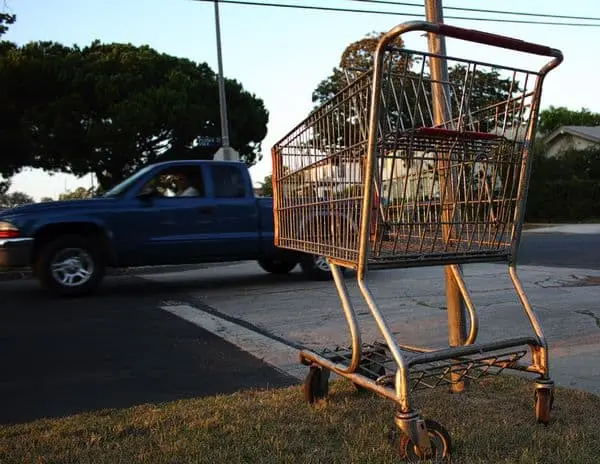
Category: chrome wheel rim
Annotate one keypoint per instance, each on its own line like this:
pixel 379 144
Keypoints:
pixel 72 267
pixel 322 264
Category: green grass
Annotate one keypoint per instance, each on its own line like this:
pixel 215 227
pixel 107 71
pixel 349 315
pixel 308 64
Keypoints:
pixel 492 423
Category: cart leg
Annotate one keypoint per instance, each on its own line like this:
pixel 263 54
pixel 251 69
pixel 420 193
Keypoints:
pixel 316 385
pixel 350 314
pixel 539 353
pixel 544 387
pixel 419 438
pixel 402 373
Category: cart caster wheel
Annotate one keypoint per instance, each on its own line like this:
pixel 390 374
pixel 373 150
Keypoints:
pixel 543 400
pixel 316 385
pixel 441 445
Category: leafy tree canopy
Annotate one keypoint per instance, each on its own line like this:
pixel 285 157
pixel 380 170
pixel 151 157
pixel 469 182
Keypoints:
pixel 10 200
pixel 80 193
pixel 554 117
pixel 356 57
pixel 485 88
pixel 4 186
pixel 111 108
pixel 266 186
pixel 5 21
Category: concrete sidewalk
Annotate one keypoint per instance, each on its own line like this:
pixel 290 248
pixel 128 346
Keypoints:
pixel 412 300
pixel 592 228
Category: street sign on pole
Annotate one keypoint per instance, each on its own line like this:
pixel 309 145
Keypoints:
pixel 440 90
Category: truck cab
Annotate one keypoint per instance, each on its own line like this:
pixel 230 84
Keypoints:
pixel 174 212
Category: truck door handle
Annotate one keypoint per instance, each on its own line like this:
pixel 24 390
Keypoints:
pixel 206 210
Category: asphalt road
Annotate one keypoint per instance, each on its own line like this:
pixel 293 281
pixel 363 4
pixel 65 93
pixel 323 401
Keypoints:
pixel 119 349
pixel 61 357
pixel 560 250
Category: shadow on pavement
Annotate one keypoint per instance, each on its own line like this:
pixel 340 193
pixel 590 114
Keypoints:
pixel 114 350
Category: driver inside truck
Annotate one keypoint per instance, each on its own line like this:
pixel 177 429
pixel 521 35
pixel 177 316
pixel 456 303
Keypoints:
pixel 188 184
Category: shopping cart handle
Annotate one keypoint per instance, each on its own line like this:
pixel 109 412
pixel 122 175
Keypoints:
pixel 496 40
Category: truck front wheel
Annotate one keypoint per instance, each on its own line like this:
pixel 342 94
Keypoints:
pixel 70 265
pixel 277 265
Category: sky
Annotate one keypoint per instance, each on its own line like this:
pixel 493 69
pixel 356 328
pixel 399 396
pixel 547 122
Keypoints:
pixel 281 54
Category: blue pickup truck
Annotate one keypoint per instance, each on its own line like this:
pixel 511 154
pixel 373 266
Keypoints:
pixel 174 212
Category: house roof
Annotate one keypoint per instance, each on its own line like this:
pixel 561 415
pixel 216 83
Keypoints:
pixel 591 133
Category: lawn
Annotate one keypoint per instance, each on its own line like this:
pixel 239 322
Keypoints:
pixel 492 423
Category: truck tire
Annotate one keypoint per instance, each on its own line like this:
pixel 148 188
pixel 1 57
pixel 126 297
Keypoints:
pixel 315 267
pixel 70 265
pixel 277 266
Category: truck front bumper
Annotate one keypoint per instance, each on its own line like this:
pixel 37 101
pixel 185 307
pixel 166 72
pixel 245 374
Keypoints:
pixel 15 252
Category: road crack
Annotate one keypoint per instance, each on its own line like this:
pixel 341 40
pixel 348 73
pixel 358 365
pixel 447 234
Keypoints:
pixel 585 312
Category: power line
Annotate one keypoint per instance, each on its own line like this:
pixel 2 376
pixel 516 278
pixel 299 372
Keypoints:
pixel 396 13
pixel 479 10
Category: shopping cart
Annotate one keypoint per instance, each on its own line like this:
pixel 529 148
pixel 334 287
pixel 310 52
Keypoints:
pixel 369 180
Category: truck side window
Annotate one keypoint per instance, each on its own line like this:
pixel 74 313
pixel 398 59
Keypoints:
pixel 177 181
pixel 228 181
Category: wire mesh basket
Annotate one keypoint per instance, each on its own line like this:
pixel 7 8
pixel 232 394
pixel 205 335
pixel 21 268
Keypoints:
pixel 450 192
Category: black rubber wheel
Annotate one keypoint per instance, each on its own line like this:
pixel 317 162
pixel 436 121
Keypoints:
pixel 316 385
pixel 315 267
pixel 441 445
pixel 277 266
pixel 70 265
pixel 543 401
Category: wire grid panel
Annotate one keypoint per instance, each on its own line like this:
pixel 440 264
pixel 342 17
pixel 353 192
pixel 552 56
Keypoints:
pixel 445 193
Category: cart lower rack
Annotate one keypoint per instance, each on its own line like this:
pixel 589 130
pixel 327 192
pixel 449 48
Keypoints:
pixel 372 179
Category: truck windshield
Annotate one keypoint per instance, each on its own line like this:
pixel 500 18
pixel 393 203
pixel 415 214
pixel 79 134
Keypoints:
pixel 124 186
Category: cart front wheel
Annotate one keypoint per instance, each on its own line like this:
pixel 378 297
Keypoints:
pixel 543 398
pixel 441 445
pixel 316 385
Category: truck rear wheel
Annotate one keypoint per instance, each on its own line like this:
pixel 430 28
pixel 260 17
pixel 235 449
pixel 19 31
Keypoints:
pixel 277 265
pixel 70 265
pixel 316 267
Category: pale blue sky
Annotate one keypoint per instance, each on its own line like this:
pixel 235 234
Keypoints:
pixel 282 54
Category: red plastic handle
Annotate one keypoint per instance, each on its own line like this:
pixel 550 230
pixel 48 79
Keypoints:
pixel 496 40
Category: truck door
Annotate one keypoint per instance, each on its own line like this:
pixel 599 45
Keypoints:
pixel 236 218
pixel 173 217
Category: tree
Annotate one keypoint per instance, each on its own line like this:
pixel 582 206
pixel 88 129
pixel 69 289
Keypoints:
pixel 554 117
pixel 46 199
pixel 356 58
pixel 80 193
pixel 4 186
pixel 266 187
pixel 10 200
pixel 5 21
pixel 11 159
pixel 111 108
pixel 486 88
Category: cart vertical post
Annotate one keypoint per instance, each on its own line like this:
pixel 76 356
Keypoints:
pixel 439 75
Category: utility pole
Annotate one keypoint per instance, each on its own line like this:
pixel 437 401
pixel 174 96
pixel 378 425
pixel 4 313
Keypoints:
pixel 225 152
pixel 440 93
